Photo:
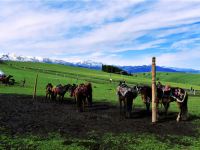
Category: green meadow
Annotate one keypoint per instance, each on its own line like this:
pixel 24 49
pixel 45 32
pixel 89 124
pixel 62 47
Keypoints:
pixel 103 90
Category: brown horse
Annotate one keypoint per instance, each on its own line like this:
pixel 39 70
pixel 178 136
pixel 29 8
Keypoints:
pixel 126 95
pixel 60 91
pixel 83 96
pixel 49 90
pixel 180 96
pixel 165 95
pixel 7 80
pixel 146 95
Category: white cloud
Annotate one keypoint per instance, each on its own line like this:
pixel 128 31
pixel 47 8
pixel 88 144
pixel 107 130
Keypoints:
pixel 32 28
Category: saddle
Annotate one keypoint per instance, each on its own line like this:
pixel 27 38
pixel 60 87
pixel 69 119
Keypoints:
pixel 123 89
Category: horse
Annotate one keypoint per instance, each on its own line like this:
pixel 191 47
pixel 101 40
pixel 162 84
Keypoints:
pixel 60 90
pixel 49 91
pixel 146 95
pixel 179 95
pixel 83 96
pixel 126 95
pixel 7 80
pixel 165 95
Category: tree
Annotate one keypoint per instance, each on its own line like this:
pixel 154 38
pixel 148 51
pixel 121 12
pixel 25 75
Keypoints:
pixel 113 69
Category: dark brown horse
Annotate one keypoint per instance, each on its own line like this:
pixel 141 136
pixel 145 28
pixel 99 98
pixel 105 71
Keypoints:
pixel 49 91
pixel 178 95
pixel 7 80
pixel 146 95
pixel 126 95
pixel 60 91
pixel 165 95
pixel 83 96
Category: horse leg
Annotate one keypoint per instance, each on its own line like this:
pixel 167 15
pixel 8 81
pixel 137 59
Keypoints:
pixel 184 113
pixel 83 104
pixel 180 112
pixel 185 109
pixel 147 107
pixel 166 106
pixel 129 104
pixel 62 98
pixel 126 108
pixel 49 97
pixel 55 98
pixel 46 97
pixel 79 101
pixel 52 96
pixel 89 99
pixel 120 105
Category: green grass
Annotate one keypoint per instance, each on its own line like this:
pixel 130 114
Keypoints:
pixel 109 141
pixel 103 90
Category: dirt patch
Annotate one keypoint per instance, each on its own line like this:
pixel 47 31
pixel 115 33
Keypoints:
pixel 20 115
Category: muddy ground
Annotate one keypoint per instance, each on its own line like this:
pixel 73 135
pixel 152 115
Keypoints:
pixel 20 114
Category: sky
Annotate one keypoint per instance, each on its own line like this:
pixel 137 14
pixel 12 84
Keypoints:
pixel 116 32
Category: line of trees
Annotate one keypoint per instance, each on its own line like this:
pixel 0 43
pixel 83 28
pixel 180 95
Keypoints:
pixel 113 69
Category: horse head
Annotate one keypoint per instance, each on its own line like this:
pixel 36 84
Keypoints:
pixel 140 89
pixel 49 87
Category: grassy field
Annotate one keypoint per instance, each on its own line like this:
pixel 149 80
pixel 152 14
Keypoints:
pixel 103 91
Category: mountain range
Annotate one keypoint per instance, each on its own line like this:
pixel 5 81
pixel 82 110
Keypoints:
pixel 94 65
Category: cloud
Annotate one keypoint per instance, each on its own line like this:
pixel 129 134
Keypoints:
pixel 101 30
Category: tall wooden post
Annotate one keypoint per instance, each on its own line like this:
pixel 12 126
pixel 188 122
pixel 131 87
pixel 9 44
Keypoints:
pixel 154 106
pixel 35 87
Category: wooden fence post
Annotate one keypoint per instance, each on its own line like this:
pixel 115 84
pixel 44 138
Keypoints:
pixel 35 87
pixel 154 105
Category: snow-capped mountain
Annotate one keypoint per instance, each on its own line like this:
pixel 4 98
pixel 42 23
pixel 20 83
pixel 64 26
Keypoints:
pixel 85 64
pixel 93 65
